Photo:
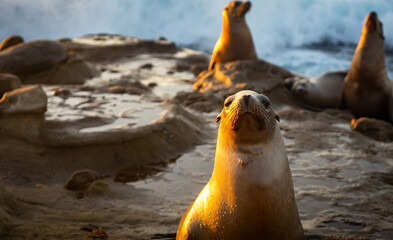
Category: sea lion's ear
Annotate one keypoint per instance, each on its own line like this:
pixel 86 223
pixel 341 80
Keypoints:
pixel 218 118
pixel 277 118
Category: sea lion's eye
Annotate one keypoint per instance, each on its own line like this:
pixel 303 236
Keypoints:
pixel 266 103
pixel 264 100
pixel 228 102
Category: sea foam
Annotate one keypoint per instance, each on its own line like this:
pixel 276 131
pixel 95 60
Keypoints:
pixel 274 23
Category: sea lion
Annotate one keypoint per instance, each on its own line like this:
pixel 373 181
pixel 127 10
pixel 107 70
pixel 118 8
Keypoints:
pixel 10 41
pixel 367 90
pixel 235 42
pixel 317 93
pixel 250 194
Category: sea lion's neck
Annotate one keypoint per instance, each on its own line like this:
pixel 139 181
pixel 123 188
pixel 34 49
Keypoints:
pixel 233 26
pixel 258 164
pixel 369 58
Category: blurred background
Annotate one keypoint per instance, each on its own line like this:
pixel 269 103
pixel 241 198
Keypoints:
pixel 309 37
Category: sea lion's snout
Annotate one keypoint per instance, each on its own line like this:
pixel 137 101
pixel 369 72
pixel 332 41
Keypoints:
pixel 372 25
pixel 372 21
pixel 243 8
pixel 246 98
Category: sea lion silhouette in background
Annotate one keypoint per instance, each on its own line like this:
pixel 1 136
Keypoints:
pixel 250 194
pixel 367 90
pixel 317 93
pixel 235 42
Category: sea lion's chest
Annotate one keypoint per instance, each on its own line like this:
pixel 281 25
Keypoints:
pixel 365 99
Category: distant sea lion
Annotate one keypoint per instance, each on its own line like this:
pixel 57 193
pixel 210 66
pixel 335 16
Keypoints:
pixel 10 41
pixel 250 194
pixel 317 93
pixel 235 42
pixel 367 90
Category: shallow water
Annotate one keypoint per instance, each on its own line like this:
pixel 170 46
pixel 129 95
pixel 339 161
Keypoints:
pixel 331 187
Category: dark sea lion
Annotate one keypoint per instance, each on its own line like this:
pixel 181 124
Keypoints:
pixel 367 90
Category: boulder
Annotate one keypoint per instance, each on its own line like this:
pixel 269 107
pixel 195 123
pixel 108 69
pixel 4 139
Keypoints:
pixel 72 71
pixel 8 205
pixel 32 57
pixel 8 82
pixel 373 128
pixel 81 180
pixel 257 75
pixel 10 41
pixel 31 99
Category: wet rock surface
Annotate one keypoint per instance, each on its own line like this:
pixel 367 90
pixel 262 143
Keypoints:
pixel 159 140
pixel 8 207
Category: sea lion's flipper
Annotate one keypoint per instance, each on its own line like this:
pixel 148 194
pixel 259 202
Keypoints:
pixel 212 63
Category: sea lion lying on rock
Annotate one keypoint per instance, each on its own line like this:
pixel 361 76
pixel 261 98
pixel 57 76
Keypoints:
pixel 317 93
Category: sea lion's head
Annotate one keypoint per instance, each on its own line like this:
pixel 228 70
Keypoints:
pixel 298 86
pixel 236 10
pixel 373 27
pixel 247 118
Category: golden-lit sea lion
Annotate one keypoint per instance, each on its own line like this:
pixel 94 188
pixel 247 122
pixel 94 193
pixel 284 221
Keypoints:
pixel 250 194
pixel 235 42
pixel 10 41
pixel 367 90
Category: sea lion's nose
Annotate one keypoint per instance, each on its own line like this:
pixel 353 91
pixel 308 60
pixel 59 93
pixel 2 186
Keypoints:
pixel 246 98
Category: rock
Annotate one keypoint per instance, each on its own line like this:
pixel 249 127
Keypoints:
pixel 373 128
pixel 10 41
pixel 73 71
pixel 98 187
pixel 257 75
pixel 24 100
pixel 104 48
pixel 62 92
pixel 148 66
pixel 8 82
pixel 117 89
pixel 203 102
pixel 81 180
pixel 32 57
pixel 8 205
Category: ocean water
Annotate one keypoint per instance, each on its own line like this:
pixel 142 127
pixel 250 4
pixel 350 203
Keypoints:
pixel 309 37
